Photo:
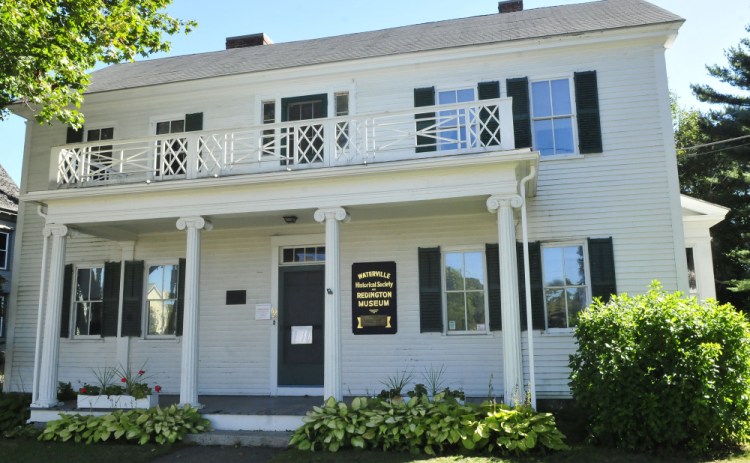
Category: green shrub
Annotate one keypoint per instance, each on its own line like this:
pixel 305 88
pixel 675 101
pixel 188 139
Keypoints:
pixel 661 371
pixel 423 426
pixel 14 411
pixel 161 425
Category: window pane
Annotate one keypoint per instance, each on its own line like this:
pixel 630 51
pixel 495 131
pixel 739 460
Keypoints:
pixel 288 255
pixel 692 281
pixel 162 128
pixel 540 95
pixel 555 308
pixel 543 137
pixel 454 275
pixel 561 97
pixel 342 104
pixel 82 284
pixel 574 266
pixel 269 112
pixel 474 270
pixel 320 253
pixel 171 281
pixel 475 309
pixel 93 135
pixel 576 303
pixel 447 97
pixel 161 317
pixel 155 282
pixel 552 266
pixel 564 136
pixel 107 134
pixel 456 312
pixel 177 126
pixel 465 95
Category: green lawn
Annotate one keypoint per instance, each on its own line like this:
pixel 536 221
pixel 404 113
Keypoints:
pixel 23 450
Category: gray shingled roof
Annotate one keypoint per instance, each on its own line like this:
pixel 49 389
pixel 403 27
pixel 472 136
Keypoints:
pixel 8 192
pixel 492 28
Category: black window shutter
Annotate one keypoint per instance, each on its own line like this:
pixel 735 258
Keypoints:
pixel 193 122
pixel 537 290
pixel 111 298
pixel 74 136
pixel 132 298
pixel 492 257
pixel 424 97
pixel 518 89
pixel 66 301
pixel 602 267
pixel 489 117
pixel 587 112
pixel 430 291
pixel 180 309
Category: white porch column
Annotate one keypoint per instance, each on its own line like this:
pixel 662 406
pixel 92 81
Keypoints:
pixel 511 320
pixel 47 395
pixel 189 370
pixel 332 386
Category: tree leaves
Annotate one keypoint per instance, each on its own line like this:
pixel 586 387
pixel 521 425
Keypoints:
pixel 47 48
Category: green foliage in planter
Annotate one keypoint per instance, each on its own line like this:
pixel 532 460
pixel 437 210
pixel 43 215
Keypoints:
pixel 160 425
pixel 659 370
pixel 65 392
pixel 14 411
pixel 423 426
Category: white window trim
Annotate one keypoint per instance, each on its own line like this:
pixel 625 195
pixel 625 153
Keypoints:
pixel 145 308
pixel 576 154
pixel 444 292
pixel 73 303
pixel 4 264
pixel 587 274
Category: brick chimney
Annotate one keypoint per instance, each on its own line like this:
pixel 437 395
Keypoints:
pixel 510 6
pixel 251 40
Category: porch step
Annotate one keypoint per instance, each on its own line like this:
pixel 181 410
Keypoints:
pixel 275 439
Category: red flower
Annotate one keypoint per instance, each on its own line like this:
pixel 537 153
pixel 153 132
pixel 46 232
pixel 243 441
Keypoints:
pixel 157 388
pixel 82 390
pixel 140 372
pixel 123 380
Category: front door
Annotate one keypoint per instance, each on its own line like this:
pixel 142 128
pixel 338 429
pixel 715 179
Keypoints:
pixel 301 312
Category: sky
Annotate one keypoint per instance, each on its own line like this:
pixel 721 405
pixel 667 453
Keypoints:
pixel 710 28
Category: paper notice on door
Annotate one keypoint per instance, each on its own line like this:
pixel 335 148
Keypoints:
pixel 302 335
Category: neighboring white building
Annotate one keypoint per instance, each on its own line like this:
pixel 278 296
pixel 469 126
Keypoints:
pixel 8 218
pixel 242 219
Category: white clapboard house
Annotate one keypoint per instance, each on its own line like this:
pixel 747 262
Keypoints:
pixel 313 217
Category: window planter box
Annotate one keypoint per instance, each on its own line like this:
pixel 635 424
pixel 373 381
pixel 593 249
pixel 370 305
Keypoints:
pixel 117 401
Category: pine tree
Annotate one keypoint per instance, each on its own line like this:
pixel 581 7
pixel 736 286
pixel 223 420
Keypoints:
pixel 720 173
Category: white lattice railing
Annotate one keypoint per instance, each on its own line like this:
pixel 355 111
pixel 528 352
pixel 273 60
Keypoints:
pixel 412 134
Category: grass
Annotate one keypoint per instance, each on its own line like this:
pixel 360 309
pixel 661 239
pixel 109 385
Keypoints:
pixel 23 450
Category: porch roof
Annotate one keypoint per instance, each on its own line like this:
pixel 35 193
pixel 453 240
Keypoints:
pixel 478 30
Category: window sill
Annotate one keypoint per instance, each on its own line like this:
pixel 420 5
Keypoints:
pixel 164 338
pixel 467 333
pixel 566 332
pixel 561 157
pixel 92 338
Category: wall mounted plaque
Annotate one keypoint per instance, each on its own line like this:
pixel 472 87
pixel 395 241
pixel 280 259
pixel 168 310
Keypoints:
pixel 374 298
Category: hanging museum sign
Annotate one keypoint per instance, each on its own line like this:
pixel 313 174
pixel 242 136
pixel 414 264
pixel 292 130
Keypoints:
pixel 374 298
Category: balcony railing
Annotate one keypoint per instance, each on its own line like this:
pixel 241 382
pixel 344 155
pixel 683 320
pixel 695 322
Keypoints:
pixel 392 136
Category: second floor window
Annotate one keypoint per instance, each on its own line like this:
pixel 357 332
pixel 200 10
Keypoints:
pixel 100 161
pixel 161 300
pixel 171 156
pixel 89 291
pixel 4 250
pixel 453 126
pixel 552 117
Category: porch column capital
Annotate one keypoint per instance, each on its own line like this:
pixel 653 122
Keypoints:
pixel 194 222
pixel 495 202
pixel 331 213
pixel 55 229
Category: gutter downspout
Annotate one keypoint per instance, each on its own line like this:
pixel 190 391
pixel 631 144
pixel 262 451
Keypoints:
pixel 40 316
pixel 527 281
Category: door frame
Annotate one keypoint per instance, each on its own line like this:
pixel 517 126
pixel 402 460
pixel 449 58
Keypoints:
pixel 277 243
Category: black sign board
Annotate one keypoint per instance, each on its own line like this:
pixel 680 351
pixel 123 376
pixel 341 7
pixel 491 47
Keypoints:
pixel 374 298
